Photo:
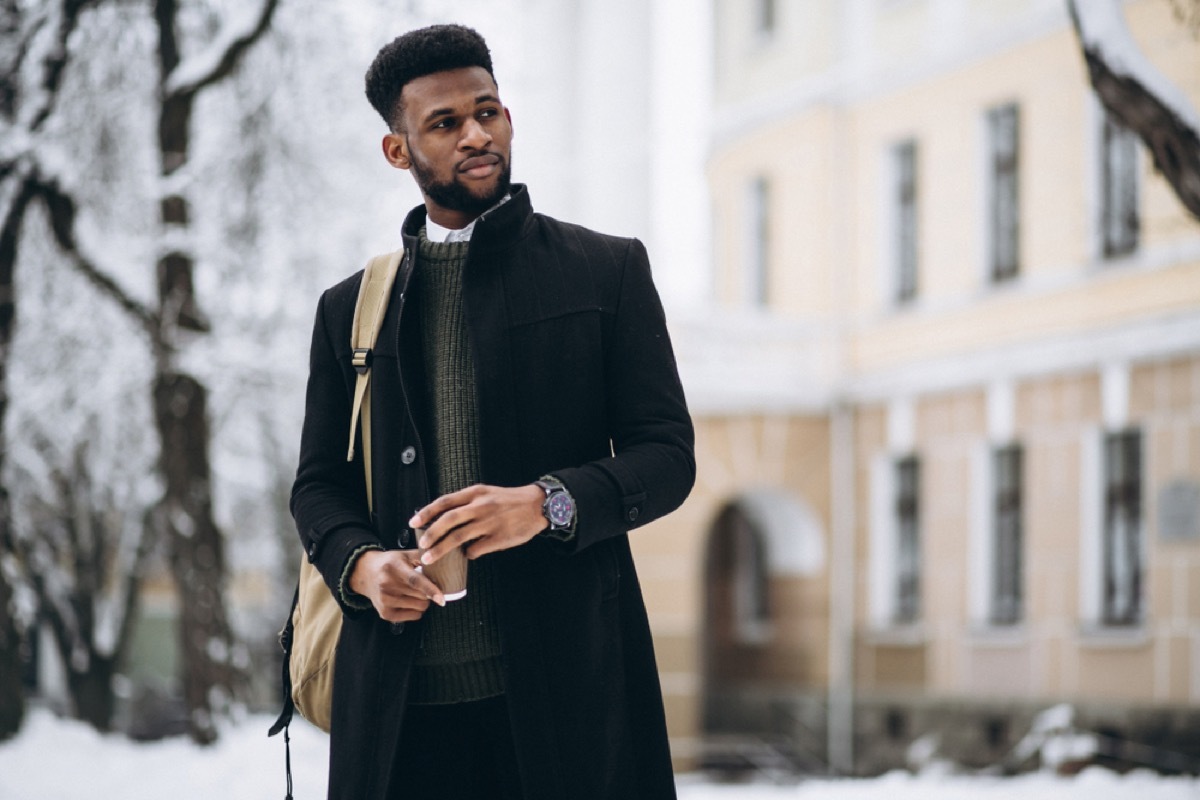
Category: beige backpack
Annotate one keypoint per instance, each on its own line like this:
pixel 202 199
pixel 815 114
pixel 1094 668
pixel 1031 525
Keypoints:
pixel 310 639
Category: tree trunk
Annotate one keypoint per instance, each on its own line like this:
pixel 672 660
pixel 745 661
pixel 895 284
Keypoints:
pixel 197 554
pixel 12 697
pixel 196 551
pixel 92 693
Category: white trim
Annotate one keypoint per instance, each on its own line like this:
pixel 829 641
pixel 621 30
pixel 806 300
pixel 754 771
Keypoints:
pixel 1091 526
pixel 980 545
pixel 1079 351
pixel 901 425
pixel 858 77
pixel 791 532
pixel 1093 177
pixel 1001 411
pixel 881 555
pixel 1114 392
pixel 1051 281
pixel 885 257
pixel 982 184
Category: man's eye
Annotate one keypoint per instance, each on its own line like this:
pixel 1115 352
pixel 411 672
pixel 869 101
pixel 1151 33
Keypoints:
pixel 445 123
pixel 488 112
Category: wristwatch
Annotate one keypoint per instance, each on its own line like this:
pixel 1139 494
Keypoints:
pixel 559 507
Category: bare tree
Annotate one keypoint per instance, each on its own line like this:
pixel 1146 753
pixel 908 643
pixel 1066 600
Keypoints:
pixel 183 518
pixel 12 699
pixel 33 55
pixel 1137 95
pixel 85 557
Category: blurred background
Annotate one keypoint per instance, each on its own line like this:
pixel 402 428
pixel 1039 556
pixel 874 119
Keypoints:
pixel 932 269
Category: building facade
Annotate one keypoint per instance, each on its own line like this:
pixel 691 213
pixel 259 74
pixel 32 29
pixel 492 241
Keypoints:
pixel 947 391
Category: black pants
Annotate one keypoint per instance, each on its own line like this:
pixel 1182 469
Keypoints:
pixel 462 751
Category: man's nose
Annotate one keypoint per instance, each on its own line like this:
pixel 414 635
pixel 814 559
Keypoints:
pixel 475 136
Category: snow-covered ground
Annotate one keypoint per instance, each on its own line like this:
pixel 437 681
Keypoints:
pixel 60 760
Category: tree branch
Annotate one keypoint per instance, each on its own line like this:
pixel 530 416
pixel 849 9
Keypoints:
pixel 1137 95
pixel 55 62
pixel 63 211
pixel 222 56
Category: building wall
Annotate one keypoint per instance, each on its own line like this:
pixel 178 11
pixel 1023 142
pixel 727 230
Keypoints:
pixel 1075 347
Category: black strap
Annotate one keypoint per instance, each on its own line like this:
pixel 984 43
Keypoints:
pixel 289 708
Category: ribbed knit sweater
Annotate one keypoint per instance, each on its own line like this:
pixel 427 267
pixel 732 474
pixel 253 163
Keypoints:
pixel 459 656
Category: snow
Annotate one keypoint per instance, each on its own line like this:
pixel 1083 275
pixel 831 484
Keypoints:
pixel 1102 28
pixel 198 68
pixel 55 759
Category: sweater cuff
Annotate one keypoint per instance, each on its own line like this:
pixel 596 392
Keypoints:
pixel 349 597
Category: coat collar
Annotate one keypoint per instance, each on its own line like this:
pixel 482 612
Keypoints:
pixel 504 225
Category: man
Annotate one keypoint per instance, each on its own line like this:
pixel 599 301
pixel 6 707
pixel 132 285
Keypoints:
pixel 526 407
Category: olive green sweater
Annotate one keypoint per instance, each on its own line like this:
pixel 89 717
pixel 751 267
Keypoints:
pixel 459 656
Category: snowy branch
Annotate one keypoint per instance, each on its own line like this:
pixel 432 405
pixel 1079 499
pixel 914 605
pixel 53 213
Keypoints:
pixel 63 211
pixel 223 55
pixel 53 55
pixel 1139 96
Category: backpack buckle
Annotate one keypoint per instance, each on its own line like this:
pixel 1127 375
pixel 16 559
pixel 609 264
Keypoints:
pixel 361 360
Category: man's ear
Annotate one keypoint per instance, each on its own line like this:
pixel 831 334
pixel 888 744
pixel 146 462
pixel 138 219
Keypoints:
pixel 395 150
pixel 508 116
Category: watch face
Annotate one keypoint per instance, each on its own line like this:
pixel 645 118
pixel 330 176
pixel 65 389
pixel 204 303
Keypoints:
pixel 560 509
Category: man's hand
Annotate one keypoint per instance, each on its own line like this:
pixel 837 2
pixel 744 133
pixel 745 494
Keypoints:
pixel 392 580
pixel 488 518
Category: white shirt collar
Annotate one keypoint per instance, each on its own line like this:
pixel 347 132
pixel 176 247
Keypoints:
pixel 436 233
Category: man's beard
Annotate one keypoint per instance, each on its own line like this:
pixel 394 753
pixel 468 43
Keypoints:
pixel 455 196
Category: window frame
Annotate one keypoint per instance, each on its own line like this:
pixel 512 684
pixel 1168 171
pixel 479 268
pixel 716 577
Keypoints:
pixel 1122 469
pixel 906 609
pixel 904 160
pixel 1007 546
pixel 1003 141
pixel 757 281
pixel 1119 223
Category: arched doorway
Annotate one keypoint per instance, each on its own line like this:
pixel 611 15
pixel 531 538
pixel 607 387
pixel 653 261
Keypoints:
pixel 764 623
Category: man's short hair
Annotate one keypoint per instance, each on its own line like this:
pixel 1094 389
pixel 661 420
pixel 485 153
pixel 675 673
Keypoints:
pixel 417 53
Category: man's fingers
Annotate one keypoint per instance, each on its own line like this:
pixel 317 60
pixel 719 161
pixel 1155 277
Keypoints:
pixel 447 524
pixel 441 505
pixel 408 581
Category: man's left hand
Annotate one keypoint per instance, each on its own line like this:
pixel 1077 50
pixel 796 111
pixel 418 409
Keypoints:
pixel 485 518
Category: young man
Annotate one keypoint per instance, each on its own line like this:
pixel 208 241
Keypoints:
pixel 526 407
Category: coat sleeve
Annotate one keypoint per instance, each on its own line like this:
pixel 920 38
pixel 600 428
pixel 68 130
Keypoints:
pixel 653 466
pixel 329 500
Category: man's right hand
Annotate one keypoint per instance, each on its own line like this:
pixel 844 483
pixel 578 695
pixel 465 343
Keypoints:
pixel 392 580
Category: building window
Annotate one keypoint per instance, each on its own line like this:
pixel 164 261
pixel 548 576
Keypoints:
pixel 1003 194
pixel 1119 223
pixel 1122 545
pixel 908 544
pixel 758 213
pixel 765 17
pixel 1007 541
pixel 904 199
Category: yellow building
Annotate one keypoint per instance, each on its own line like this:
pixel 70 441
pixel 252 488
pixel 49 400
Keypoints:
pixel 947 394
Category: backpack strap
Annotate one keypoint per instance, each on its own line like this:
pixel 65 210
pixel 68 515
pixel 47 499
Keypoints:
pixel 373 295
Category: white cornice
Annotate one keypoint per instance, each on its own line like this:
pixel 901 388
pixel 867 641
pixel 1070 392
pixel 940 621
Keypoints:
pixel 854 81
pixel 1084 351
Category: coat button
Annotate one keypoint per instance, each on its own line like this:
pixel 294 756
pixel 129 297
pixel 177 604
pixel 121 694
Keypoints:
pixel 404 536
pixel 312 551
pixel 633 514
pixel 408 455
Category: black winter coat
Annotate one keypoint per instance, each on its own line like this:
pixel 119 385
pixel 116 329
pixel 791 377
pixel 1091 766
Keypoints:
pixel 576 377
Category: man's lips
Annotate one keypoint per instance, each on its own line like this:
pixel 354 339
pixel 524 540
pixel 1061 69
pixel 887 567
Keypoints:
pixel 478 166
